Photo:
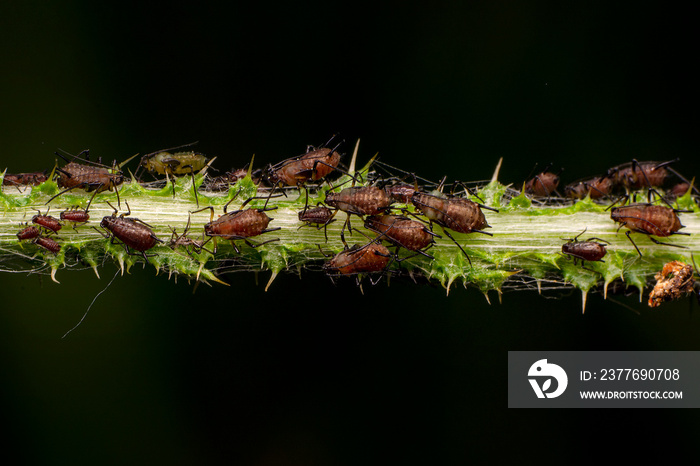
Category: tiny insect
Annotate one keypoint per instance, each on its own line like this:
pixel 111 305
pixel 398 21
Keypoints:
pixel 597 188
pixel 636 175
pixel 402 232
pixel 132 232
pixel 649 219
pixel 457 214
pixel 46 221
pixel 400 192
pixel 76 215
pixel 240 224
pixel 188 244
pixel 587 250
pixel 319 217
pixel 29 232
pixel 372 257
pixel 24 179
pixel 360 201
pixel 167 163
pixel 543 184
pixel 315 164
pixel 87 175
pixel 48 244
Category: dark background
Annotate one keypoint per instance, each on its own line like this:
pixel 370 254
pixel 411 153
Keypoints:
pixel 311 373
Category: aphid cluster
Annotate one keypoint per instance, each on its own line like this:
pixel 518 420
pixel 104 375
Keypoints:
pixel 398 212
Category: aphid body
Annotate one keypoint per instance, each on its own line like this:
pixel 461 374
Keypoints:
pixel 596 188
pixel 134 233
pixel 636 175
pixel 48 222
pixel 650 219
pixel 239 224
pixel 360 200
pixel 372 257
pixel 314 165
pixel 401 231
pixel 76 215
pixel 588 250
pixel 48 244
pixel 320 216
pixel 29 232
pixel 177 163
pixel 400 192
pixel 458 214
pixel 24 179
pixel 543 185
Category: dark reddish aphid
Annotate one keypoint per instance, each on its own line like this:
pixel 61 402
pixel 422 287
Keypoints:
pixel 402 232
pixel 24 179
pixel 543 184
pixel 132 232
pixel 76 215
pixel 649 219
pixel 588 250
pixel 372 257
pixel 319 217
pixel 678 190
pixel 240 224
pixel 87 175
pixel 48 244
pixel 457 214
pixel 29 232
pixel 596 188
pixel 314 165
pixel 46 221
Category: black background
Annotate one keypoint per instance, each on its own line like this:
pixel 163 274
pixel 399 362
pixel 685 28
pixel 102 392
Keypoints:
pixel 309 372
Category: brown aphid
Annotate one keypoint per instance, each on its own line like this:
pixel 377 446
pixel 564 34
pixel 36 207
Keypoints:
pixel 596 188
pixel 48 244
pixel 132 232
pixel 46 221
pixel 457 214
pixel 636 175
pixel 587 250
pixel 24 179
pixel 678 190
pixel 240 224
pixel 674 281
pixel 314 165
pixel 402 232
pixel 543 185
pixel 360 200
pixel 319 217
pixel 29 232
pixel 90 176
pixel 400 192
pixel 372 257
pixel 649 219
pixel 187 243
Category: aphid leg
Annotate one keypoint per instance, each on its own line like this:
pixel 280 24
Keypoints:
pixel 667 244
pixel 627 233
pixel 458 245
pixel 211 209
